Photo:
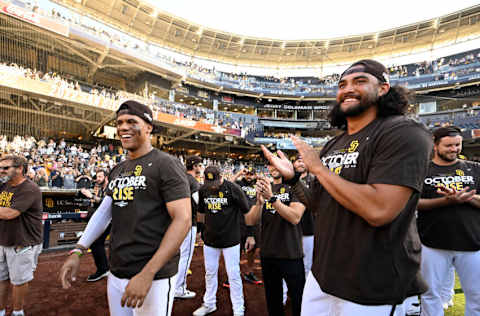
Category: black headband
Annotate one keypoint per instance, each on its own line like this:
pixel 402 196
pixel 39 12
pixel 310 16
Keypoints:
pixel 368 66
pixel 135 108
pixel 441 132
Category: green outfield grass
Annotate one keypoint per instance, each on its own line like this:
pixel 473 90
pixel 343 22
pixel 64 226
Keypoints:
pixel 458 309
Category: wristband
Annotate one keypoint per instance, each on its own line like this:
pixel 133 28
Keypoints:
pixel 200 227
pixel 273 199
pixel 77 251
pixel 250 230
pixel 293 180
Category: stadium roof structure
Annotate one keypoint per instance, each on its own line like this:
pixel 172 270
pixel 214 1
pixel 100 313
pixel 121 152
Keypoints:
pixel 148 23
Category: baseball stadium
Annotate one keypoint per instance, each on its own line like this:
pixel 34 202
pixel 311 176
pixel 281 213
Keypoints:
pixel 90 90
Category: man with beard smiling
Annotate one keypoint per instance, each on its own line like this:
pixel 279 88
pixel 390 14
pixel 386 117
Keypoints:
pixel 449 223
pixel 148 203
pixel 368 182
pixel 250 234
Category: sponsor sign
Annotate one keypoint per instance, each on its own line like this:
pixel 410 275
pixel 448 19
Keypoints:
pixel 294 107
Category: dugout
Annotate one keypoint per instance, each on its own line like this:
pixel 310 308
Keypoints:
pixel 65 213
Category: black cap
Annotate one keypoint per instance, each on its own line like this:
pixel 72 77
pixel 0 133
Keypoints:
pixel 250 170
pixel 368 66
pixel 212 175
pixel 192 161
pixel 295 157
pixel 441 132
pixel 138 109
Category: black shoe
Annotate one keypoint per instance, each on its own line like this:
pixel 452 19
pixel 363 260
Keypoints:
pixel 226 284
pixel 97 276
pixel 252 278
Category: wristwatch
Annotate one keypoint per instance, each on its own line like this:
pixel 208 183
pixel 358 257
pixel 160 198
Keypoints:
pixel 272 200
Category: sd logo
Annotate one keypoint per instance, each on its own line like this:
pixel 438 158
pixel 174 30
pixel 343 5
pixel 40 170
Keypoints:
pixel 353 146
pixel 49 203
pixel 138 170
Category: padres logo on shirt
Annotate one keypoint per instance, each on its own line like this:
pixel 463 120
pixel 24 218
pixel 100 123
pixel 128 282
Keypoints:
pixel 6 199
pixel 353 146
pixel 124 186
pixel 342 158
pixel 282 196
pixel 138 170
pixel 249 191
pixel 214 204
pixel 457 181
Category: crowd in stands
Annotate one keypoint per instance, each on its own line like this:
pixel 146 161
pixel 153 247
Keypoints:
pixel 186 66
pixel 64 85
pixel 63 164
pixel 60 164
pixel 467 118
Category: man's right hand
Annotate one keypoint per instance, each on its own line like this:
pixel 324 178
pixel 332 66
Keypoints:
pixel 69 270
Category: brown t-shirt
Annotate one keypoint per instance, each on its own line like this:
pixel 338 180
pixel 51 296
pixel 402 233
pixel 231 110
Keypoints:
pixel 352 259
pixel 223 211
pixel 280 238
pixel 140 189
pixel 26 229
pixel 453 227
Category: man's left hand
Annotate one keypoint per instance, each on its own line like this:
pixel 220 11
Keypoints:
pixel 136 290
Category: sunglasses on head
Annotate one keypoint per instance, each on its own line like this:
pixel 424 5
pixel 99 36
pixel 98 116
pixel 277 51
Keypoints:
pixel 7 167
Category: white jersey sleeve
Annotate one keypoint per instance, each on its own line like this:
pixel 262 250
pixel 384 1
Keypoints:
pixel 97 223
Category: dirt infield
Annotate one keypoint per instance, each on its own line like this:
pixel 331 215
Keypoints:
pixel 47 298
